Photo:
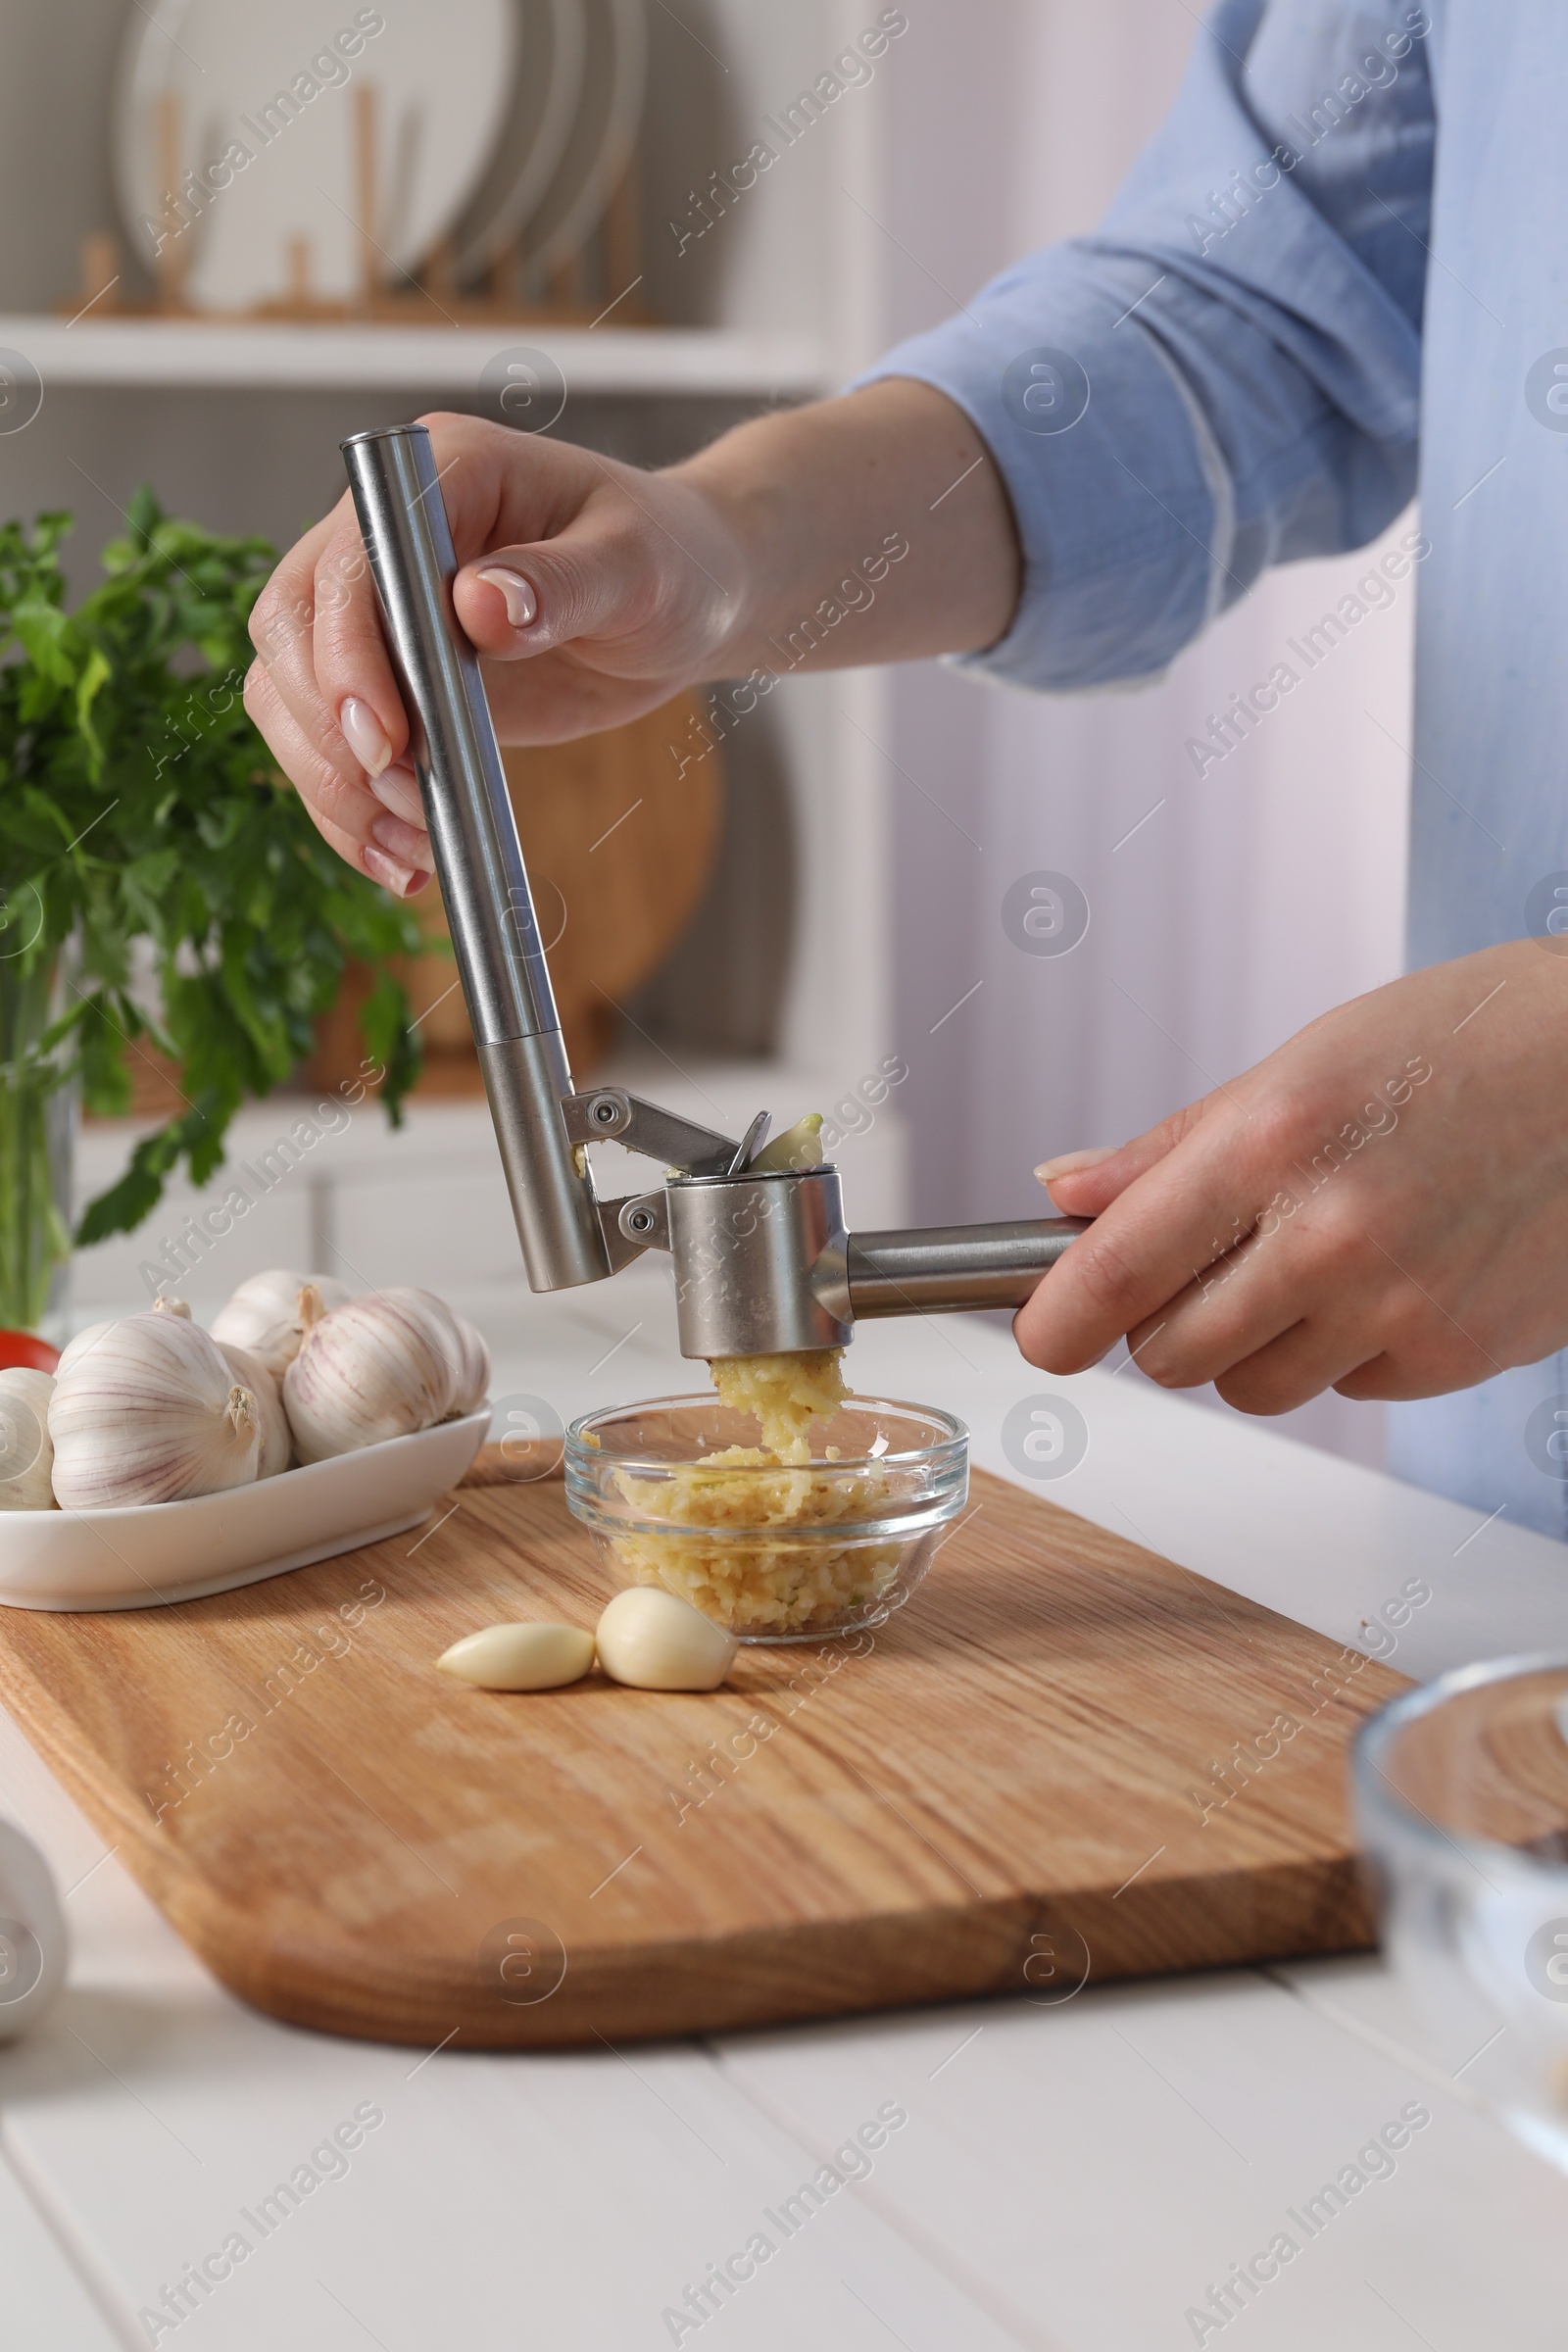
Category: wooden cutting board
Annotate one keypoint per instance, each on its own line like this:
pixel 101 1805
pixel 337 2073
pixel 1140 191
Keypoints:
pixel 1018 1785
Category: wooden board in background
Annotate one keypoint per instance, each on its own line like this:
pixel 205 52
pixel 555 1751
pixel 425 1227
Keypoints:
pixel 994 1792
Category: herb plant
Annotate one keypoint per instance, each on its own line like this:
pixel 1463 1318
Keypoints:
pixel 139 805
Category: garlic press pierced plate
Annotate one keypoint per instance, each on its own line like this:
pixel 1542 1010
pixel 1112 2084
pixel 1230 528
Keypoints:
pixel 163 1552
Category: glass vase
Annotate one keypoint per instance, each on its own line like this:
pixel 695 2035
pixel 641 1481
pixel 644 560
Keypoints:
pixel 38 1122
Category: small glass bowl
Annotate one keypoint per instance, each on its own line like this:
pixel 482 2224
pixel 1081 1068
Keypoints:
pixel 773 1553
pixel 1462 1798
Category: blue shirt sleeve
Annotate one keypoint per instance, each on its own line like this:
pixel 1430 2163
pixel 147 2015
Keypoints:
pixel 1227 373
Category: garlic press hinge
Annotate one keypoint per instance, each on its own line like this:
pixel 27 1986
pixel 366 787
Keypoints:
pixel 609 1114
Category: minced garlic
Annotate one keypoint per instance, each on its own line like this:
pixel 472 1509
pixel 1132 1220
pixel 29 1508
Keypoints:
pixel 790 1583
pixel 786 1392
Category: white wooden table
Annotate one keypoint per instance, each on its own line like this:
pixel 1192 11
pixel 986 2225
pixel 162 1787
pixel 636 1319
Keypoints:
pixel 1069 2178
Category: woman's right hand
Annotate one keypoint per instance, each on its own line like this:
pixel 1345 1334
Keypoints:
pixel 592 591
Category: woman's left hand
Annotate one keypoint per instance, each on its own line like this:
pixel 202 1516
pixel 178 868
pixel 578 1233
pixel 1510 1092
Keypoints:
pixel 1381 1206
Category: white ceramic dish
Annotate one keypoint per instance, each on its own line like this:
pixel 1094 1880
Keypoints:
pixel 163 1552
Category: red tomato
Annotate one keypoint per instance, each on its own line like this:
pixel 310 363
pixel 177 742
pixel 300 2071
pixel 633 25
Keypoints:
pixel 23 1348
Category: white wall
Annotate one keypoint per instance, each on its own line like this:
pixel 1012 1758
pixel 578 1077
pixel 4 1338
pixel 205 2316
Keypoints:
pixel 1253 899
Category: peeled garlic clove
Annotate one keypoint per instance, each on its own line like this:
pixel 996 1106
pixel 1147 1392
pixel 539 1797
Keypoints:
pixel 26 1455
pixel 278 1439
pixel 265 1314
pixel 798 1147
pixel 150 1412
pixel 380 1367
pixel 654 1641
pixel 520 1657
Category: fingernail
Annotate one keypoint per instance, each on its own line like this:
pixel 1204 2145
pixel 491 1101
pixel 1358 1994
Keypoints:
pixel 522 603
pixel 409 844
pixel 1073 1163
pixel 365 734
pixel 396 789
pixel 397 879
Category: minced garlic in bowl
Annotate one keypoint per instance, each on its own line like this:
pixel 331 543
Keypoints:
pixel 775 1539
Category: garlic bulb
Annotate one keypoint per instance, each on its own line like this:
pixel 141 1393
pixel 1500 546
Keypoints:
pixel 265 1315
pixel 25 1452
pixel 473 1379
pixel 149 1412
pixel 92 1332
pixel 86 1338
pixel 278 1439
pixel 384 1366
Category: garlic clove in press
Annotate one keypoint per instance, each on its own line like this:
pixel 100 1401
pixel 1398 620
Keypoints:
pixel 149 1412
pixel 264 1314
pixel 520 1657
pixel 383 1366
pixel 656 1642
pixel 27 1456
pixel 798 1147
pixel 278 1439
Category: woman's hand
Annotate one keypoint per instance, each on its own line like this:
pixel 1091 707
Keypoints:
pixel 1379 1207
pixel 594 591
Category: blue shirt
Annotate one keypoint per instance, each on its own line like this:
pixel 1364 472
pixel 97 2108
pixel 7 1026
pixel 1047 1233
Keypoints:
pixel 1304 305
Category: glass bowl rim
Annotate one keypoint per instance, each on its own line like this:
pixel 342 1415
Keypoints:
pixel 1380 1798
pixel 954 1442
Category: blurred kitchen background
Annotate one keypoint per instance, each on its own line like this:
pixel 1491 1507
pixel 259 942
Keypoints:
pixel 518 185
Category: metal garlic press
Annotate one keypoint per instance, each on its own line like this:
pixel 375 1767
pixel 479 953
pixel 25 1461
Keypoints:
pixel 763 1262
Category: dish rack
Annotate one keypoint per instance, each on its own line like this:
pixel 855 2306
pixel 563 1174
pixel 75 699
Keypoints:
pixel 557 244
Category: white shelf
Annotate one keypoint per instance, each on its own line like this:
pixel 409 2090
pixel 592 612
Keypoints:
pixel 247 356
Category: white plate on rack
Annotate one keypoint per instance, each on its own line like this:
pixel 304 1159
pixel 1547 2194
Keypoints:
pixel 163 1552
pixel 541 108
pixel 599 143
pixel 206 73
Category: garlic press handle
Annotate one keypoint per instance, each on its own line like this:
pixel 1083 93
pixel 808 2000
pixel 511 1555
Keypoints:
pixel 478 860
pixel 943 1269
